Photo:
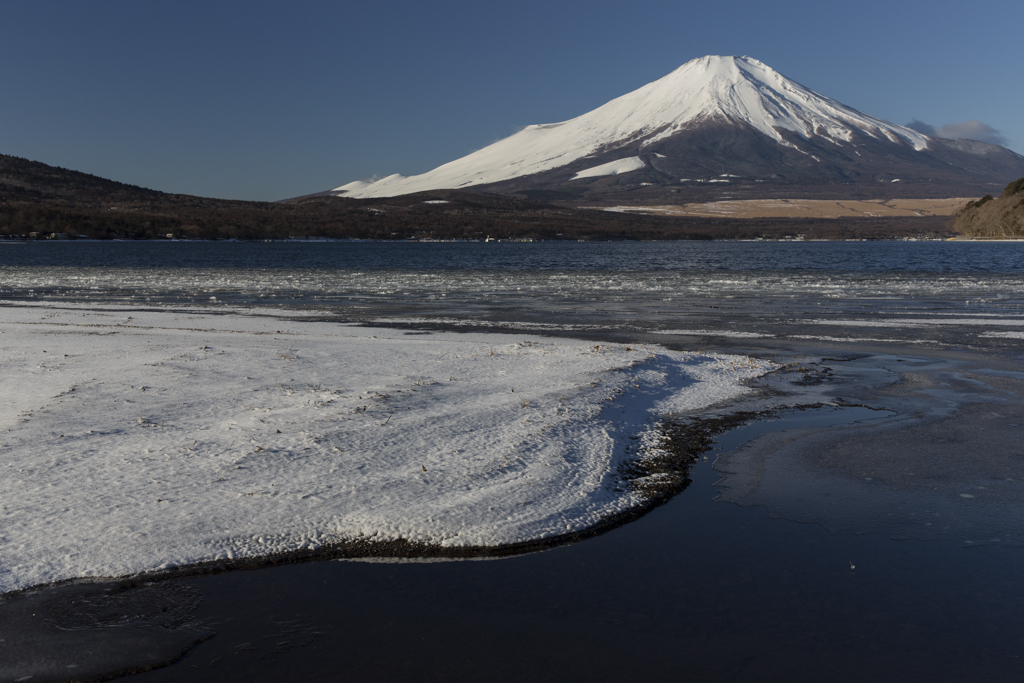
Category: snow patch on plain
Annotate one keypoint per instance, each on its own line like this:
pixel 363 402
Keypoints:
pixel 139 440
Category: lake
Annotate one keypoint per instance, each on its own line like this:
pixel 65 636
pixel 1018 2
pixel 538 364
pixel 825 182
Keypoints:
pixel 863 522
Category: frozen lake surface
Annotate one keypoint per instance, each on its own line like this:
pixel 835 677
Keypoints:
pixel 915 479
pixel 138 441
pixel 349 273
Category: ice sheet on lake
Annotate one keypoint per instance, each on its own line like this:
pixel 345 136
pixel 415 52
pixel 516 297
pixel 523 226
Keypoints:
pixel 714 333
pixel 1004 335
pixel 1007 321
pixel 135 440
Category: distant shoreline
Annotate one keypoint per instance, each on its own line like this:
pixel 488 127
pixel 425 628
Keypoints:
pixel 322 240
pixel 985 239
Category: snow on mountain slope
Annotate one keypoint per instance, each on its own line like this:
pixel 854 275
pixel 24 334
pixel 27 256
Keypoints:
pixel 612 168
pixel 735 89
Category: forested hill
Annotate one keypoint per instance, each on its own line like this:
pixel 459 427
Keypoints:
pixel 1001 216
pixel 32 181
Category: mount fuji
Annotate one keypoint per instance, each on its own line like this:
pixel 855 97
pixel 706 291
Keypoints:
pixel 716 124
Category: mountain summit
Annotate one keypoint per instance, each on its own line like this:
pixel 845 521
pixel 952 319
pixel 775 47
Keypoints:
pixel 724 120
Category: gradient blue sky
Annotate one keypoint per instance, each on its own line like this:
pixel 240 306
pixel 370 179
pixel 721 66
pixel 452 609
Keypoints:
pixel 267 100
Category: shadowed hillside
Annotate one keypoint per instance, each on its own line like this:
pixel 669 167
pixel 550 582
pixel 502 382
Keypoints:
pixel 1002 216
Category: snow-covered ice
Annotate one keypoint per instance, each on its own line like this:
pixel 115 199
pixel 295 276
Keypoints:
pixel 714 333
pixel 138 440
pixel 1004 335
pixel 1009 321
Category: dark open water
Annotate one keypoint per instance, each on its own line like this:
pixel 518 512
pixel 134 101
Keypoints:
pixel 695 590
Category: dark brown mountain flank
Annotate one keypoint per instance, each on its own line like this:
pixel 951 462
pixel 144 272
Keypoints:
pixel 1002 216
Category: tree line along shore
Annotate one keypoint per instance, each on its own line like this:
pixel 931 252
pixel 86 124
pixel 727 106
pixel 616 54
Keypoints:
pixel 465 217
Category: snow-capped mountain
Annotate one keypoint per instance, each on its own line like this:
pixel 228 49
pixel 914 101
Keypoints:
pixel 713 120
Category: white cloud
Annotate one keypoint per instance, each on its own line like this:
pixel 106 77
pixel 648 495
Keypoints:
pixel 971 130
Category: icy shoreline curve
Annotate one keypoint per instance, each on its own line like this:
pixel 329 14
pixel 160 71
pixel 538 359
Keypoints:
pixel 134 441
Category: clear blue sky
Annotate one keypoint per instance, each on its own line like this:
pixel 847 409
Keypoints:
pixel 267 100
